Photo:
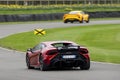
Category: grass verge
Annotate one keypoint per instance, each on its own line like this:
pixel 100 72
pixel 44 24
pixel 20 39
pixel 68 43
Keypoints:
pixel 17 9
pixel 101 40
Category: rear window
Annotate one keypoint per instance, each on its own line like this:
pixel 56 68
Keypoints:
pixel 73 12
pixel 76 12
pixel 62 44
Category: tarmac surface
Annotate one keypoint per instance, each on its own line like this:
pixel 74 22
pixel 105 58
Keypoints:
pixel 13 66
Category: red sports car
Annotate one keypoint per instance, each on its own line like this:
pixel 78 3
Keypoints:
pixel 57 54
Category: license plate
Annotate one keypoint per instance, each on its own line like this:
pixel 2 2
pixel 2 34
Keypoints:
pixel 68 56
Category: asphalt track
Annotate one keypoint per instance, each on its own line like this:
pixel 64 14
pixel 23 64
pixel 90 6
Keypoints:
pixel 13 67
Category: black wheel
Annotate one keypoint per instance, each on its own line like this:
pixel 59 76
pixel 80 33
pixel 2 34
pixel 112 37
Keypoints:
pixel 28 62
pixel 65 21
pixel 87 21
pixel 71 21
pixel 85 66
pixel 43 67
pixel 81 21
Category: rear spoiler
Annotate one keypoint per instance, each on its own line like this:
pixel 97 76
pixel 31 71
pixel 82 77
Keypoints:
pixel 69 48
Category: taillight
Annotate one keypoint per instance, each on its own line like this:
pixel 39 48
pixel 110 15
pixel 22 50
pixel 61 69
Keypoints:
pixel 52 52
pixel 83 51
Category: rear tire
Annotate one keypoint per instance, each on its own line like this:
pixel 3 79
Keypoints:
pixel 65 21
pixel 87 21
pixel 43 67
pixel 85 66
pixel 28 62
pixel 81 21
pixel 71 21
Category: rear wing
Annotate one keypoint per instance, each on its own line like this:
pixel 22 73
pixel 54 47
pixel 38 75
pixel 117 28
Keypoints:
pixel 70 48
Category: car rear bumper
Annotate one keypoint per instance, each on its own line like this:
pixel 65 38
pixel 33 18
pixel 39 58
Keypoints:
pixel 72 19
pixel 60 62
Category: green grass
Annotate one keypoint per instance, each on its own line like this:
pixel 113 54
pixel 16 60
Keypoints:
pixel 103 41
pixel 17 9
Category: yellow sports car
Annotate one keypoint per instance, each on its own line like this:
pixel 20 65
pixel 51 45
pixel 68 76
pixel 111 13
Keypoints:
pixel 76 16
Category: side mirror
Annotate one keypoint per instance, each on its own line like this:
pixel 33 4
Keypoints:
pixel 30 49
